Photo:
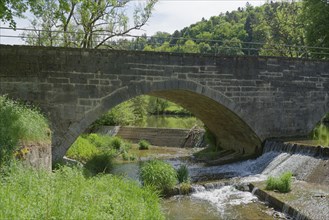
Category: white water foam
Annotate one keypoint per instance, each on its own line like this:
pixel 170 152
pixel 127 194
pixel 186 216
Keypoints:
pixel 225 196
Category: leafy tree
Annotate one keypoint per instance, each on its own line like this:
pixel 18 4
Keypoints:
pixel 156 105
pixel 316 18
pixel 85 23
pixel 10 9
pixel 284 27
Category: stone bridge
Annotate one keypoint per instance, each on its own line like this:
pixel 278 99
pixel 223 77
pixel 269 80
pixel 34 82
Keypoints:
pixel 242 100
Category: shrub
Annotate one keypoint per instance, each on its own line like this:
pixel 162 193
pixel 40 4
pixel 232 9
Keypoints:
pixel 282 183
pixel 117 143
pixel 143 145
pixel 100 141
pixel 82 150
pixel 128 157
pixel 183 174
pixel 20 123
pixel 101 163
pixel 67 194
pixel 185 188
pixel 158 174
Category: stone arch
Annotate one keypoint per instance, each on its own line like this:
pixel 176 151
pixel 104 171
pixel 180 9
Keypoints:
pixel 220 114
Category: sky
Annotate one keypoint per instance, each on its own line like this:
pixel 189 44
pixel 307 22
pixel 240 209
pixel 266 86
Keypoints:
pixel 168 15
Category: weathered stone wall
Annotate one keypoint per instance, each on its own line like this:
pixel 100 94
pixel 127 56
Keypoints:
pixel 36 155
pixel 243 100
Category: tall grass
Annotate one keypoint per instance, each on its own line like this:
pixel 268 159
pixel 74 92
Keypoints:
pixel 82 150
pixel 20 123
pixel 143 145
pixel 321 135
pixel 158 174
pixel 67 194
pixel 281 183
pixel 183 175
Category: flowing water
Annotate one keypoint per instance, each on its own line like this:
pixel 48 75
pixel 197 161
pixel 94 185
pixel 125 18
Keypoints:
pixel 224 201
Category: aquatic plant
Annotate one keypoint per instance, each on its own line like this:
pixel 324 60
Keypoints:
pixel 67 194
pixel 158 174
pixel 321 135
pixel 100 163
pixel 185 188
pixel 183 174
pixel 143 145
pixel 281 183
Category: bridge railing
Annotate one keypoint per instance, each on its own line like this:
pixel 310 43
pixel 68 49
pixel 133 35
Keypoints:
pixel 53 38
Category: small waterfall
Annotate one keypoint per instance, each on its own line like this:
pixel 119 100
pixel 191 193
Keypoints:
pixel 276 159
pixel 254 190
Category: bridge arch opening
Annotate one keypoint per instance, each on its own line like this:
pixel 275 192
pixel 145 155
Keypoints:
pixel 219 114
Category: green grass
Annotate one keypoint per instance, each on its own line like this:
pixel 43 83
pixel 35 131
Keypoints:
pixel 183 174
pixel 20 124
pixel 321 135
pixel 158 174
pixel 100 163
pixel 68 194
pixel 82 150
pixel 143 145
pixel 281 183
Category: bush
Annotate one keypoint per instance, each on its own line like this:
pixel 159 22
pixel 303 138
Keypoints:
pixel 101 163
pixel 282 183
pixel 158 174
pixel 117 143
pixel 128 157
pixel 100 141
pixel 185 188
pixel 82 150
pixel 20 123
pixel 67 194
pixel 143 145
pixel 183 174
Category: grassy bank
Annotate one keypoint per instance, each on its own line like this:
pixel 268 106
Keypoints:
pixel 68 194
pixel 20 124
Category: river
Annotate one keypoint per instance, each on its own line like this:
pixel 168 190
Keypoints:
pixel 215 201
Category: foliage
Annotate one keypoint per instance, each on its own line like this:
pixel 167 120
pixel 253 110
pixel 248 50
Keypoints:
pixel 117 143
pixel 183 174
pixel 282 183
pixel 157 105
pixel 89 146
pixel 85 23
pixel 321 134
pixel 67 194
pixel 100 163
pixel 143 145
pixel 10 9
pixel 128 157
pixel 82 150
pixel 264 30
pixel 20 123
pixel 100 141
pixel 316 17
pixel 158 174
pixel 185 188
